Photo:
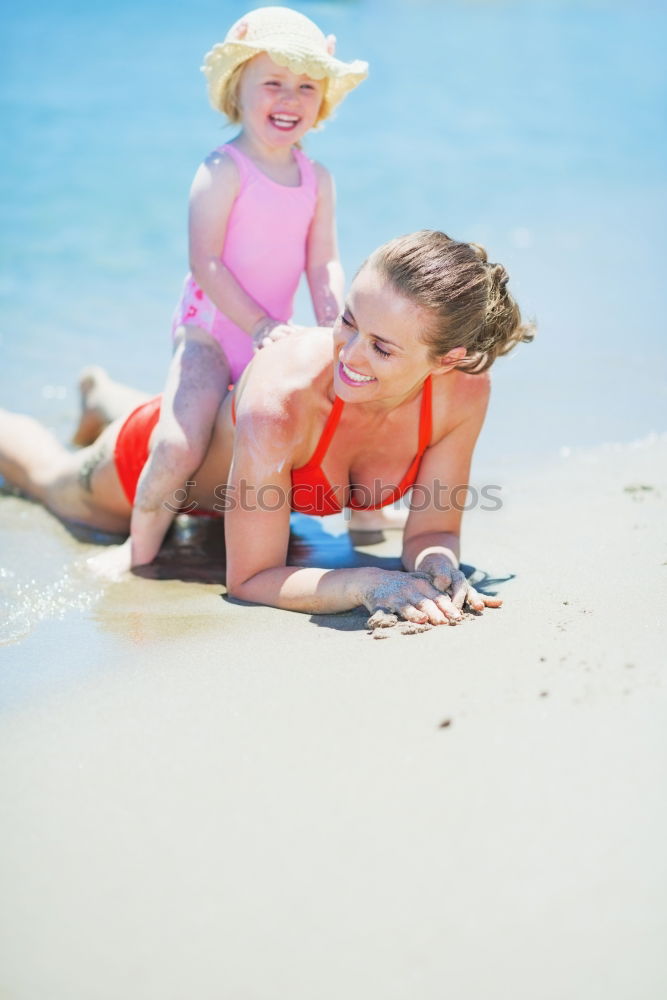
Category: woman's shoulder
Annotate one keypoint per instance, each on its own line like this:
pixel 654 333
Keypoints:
pixel 457 397
pixel 287 378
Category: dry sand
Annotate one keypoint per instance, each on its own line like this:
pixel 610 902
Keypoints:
pixel 208 800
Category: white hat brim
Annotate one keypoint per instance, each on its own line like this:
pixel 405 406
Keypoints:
pixel 341 77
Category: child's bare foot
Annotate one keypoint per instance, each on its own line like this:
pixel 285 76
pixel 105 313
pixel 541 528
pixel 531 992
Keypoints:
pixel 102 400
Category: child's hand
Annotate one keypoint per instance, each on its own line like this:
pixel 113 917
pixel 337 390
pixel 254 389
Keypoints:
pixel 113 563
pixel 270 330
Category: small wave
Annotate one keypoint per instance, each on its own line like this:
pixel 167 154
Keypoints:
pixel 26 603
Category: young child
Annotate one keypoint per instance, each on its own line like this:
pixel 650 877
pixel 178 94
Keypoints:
pixel 261 213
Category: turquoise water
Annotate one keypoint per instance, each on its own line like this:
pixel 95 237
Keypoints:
pixel 534 128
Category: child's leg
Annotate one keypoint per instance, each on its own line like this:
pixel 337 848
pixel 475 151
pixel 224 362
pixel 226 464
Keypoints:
pixel 196 384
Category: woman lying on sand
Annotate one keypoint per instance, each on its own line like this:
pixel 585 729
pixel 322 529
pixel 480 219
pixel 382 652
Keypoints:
pixel 393 397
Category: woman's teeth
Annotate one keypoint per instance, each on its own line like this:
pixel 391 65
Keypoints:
pixel 284 121
pixel 354 376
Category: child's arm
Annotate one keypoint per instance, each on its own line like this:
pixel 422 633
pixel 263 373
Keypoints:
pixel 323 268
pixel 214 190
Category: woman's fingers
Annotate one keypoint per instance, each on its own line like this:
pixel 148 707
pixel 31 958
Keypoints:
pixel 456 588
pixel 414 598
pixel 448 608
pixel 478 601
pixel 421 615
pixel 474 600
pixel 459 588
pixel 381 619
pixel 428 611
pixel 488 602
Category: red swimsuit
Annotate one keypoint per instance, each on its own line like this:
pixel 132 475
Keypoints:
pixel 312 492
pixel 131 451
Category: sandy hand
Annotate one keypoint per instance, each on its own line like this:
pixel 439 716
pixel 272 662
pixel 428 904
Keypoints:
pixel 453 583
pixel 411 596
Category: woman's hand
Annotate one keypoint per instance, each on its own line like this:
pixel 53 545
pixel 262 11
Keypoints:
pixel 412 596
pixel 452 582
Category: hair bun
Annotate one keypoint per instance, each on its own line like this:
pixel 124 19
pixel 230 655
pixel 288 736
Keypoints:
pixel 479 251
pixel 498 276
pixel 470 303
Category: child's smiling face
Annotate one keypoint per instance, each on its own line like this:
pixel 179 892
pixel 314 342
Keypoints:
pixel 277 106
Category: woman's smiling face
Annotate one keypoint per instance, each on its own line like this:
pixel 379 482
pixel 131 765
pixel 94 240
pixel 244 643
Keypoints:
pixel 380 351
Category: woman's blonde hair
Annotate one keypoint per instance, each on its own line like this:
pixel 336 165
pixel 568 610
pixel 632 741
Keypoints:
pixel 467 294
pixel 230 104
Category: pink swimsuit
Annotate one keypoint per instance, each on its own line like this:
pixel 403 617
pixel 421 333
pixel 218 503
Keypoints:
pixel 265 250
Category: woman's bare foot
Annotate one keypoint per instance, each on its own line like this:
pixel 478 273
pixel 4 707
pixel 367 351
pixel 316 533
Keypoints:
pixel 102 401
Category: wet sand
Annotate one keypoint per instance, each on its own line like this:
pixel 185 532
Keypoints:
pixel 208 799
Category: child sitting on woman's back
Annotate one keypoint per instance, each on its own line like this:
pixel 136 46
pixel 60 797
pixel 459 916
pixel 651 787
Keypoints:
pixel 261 213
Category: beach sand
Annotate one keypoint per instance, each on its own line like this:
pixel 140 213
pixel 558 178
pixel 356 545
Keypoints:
pixel 206 799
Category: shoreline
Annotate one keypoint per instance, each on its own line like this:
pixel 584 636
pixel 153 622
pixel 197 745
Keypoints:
pixel 195 553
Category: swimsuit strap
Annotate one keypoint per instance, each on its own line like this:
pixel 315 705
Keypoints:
pixel 425 427
pixel 326 435
pixel 425 430
pixel 306 169
pixel 425 418
pixel 243 162
pixel 247 166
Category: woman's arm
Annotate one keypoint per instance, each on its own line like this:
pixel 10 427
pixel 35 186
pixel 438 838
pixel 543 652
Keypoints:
pixel 323 268
pixel 257 531
pixel 431 541
pixel 257 520
pixel 214 190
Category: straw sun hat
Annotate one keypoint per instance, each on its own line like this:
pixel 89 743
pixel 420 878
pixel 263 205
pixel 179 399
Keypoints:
pixel 292 40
